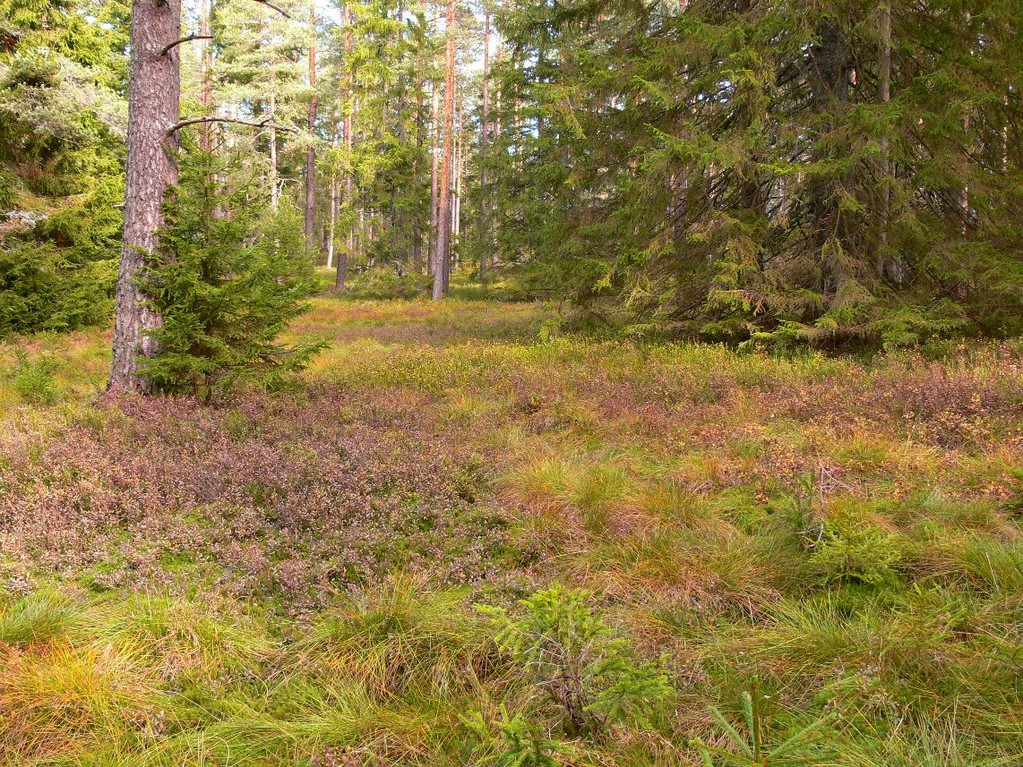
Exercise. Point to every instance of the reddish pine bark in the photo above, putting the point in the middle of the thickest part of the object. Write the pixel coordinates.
(153, 108)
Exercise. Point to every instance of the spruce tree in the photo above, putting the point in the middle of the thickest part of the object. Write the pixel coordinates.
(225, 285)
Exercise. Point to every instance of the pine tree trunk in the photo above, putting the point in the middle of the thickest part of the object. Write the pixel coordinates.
(496, 135)
(341, 276)
(310, 154)
(456, 203)
(274, 190)
(434, 190)
(417, 224)
(332, 226)
(153, 107)
(884, 94)
(441, 272)
(484, 139)
(206, 76)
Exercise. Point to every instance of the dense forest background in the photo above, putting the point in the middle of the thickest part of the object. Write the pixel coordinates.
(843, 171)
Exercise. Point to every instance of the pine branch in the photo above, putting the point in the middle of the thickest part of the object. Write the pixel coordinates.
(199, 120)
(171, 46)
(277, 8)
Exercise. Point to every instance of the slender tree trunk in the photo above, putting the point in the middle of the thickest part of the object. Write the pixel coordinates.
(205, 76)
(496, 135)
(441, 272)
(484, 140)
(310, 154)
(335, 193)
(417, 224)
(886, 265)
(500, 91)
(153, 107)
(341, 276)
(456, 202)
(274, 183)
(434, 189)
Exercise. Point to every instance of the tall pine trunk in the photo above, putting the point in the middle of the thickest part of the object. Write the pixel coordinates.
(153, 108)
(417, 224)
(341, 275)
(335, 193)
(442, 269)
(205, 76)
(484, 139)
(434, 190)
(272, 109)
(310, 154)
(886, 265)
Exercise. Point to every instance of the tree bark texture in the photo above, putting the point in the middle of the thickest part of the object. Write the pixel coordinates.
(153, 107)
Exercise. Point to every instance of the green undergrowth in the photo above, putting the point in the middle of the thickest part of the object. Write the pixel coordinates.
(474, 539)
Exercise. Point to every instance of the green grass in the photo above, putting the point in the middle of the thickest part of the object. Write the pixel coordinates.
(843, 533)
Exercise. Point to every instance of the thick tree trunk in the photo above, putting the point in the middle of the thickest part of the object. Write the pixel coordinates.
(153, 107)
(441, 271)
(310, 154)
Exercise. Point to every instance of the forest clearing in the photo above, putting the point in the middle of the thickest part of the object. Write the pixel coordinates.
(295, 579)
(512, 383)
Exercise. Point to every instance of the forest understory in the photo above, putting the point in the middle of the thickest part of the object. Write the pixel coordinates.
(809, 560)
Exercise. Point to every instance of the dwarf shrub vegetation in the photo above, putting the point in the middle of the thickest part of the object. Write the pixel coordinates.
(290, 581)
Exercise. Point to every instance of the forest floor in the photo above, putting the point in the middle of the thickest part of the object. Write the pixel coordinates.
(295, 579)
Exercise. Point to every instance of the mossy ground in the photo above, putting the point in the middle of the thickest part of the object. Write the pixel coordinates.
(290, 579)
